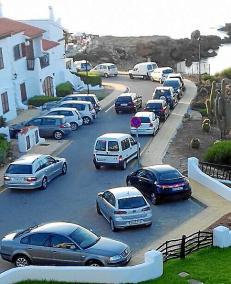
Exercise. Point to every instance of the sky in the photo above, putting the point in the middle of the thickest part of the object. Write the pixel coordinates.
(175, 18)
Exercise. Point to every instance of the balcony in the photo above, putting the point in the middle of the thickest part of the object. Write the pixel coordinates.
(44, 60)
(30, 64)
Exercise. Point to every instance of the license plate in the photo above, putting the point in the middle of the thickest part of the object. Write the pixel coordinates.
(178, 188)
(135, 222)
(18, 179)
(100, 159)
(123, 104)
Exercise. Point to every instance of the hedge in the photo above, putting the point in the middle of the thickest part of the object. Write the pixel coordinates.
(4, 148)
(91, 78)
(64, 89)
(219, 153)
(40, 100)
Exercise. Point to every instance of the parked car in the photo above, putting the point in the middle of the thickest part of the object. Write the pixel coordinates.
(177, 76)
(82, 65)
(61, 243)
(160, 74)
(71, 115)
(86, 97)
(149, 123)
(34, 171)
(160, 182)
(168, 94)
(159, 107)
(106, 69)
(128, 102)
(85, 109)
(49, 126)
(114, 149)
(142, 70)
(176, 85)
(124, 207)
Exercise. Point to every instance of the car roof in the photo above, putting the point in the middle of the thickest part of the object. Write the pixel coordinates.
(127, 95)
(56, 227)
(51, 116)
(160, 168)
(76, 102)
(155, 101)
(172, 79)
(143, 114)
(145, 63)
(81, 95)
(27, 159)
(163, 88)
(125, 192)
(162, 68)
(113, 136)
(108, 64)
(62, 108)
(175, 74)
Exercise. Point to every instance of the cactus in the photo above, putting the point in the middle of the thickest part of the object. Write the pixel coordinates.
(223, 108)
(210, 103)
(206, 125)
(195, 143)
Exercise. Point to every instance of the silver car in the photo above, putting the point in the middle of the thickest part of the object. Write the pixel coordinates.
(61, 243)
(34, 171)
(124, 207)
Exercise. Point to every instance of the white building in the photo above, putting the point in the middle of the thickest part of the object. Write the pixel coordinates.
(32, 61)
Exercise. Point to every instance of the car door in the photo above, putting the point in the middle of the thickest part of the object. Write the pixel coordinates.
(52, 167)
(35, 122)
(112, 151)
(137, 180)
(64, 251)
(48, 126)
(148, 182)
(127, 149)
(107, 204)
(155, 121)
(35, 245)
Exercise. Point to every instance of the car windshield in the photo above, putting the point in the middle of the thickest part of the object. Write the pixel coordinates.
(131, 202)
(111, 67)
(154, 105)
(171, 83)
(19, 169)
(124, 99)
(100, 145)
(170, 175)
(167, 71)
(84, 238)
(159, 93)
(145, 119)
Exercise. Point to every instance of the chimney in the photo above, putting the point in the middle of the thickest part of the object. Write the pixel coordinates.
(51, 14)
(1, 13)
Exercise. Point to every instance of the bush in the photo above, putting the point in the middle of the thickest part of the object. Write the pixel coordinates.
(203, 111)
(4, 148)
(92, 78)
(226, 73)
(40, 100)
(2, 121)
(219, 153)
(64, 89)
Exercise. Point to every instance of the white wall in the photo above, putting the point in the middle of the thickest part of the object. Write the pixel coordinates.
(152, 268)
(214, 185)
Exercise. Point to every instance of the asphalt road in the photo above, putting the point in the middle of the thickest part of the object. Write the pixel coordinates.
(72, 197)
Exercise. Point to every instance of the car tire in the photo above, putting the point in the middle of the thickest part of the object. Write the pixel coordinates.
(112, 225)
(161, 81)
(106, 75)
(44, 183)
(154, 132)
(64, 169)
(117, 112)
(131, 76)
(94, 263)
(98, 209)
(152, 79)
(97, 166)
(124, 165)
(58, 135)
(21, 260)
(154, 199)
(148, 225)
(74, 126)
(86, 120)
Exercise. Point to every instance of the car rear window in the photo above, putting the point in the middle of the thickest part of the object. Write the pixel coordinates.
(100, 145)
(131, 202)
(154, 105)
(19, 169)
(159, 93)
(171, 83)
(145, 119)
(113, 146)
(169, 175)
(167, 71)
(111, 67)
(124, 99)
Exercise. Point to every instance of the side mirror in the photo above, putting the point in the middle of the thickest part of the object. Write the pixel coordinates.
(100, 194)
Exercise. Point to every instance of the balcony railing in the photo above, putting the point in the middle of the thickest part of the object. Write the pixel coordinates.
(44, 60)
(30, 64)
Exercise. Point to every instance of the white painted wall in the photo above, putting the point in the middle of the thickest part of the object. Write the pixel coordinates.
(214, 185)
(152, 268)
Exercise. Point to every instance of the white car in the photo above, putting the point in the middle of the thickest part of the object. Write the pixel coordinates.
(142, 70)
(106, 69)
(71, 115)
(150, 123)
(160, 74)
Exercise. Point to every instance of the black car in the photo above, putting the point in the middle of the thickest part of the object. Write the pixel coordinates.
(128, 102)
(160, 182)
(168, 94)
(159, 107)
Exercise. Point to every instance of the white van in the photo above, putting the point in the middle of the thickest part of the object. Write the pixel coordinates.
(114, 149)
(160, 74)
(106, 69)
(82, 65)
(142, 70)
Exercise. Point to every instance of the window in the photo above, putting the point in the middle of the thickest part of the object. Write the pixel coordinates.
(124, 99)
(5, 103)
(59, 241)
(131, 202)
(25, 240)
(1, 59)
(38, 239)
(19, 169)
(49, 121)
(109, 197)
(49, 161)
(113, 146)
(140, 174)
(125, 144)
(100, 145)
(66, 113)
(84, 238)
(23, 92)
(145, 119)
(132, 141)
(36, 122)
(17, 52)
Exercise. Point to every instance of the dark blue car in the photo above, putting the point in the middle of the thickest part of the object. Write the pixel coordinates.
(176, 85)
(168, 94)
(160, 182)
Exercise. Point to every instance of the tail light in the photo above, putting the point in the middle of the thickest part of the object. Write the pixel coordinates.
(7, 178)
(162, 110)
(162, 186)
(146, 208)
(31, 179)
(120, 158)
(120, 212)
(65, 125)
(151, 124)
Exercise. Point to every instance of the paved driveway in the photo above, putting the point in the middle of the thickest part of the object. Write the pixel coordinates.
(72, 197)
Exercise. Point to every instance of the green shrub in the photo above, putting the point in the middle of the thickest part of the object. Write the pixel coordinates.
(203, 111)
(4, 148)
(226, 73)
(40, 100)
(219, 153)
(92, 78)
(64, 89)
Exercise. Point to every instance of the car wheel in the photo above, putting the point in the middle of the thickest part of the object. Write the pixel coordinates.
(58, 135)
(154, 199)
(112, 225)
(161, 81)
(145, 77)
(131, 76)
(152, 79)
(86, 120)
(97, 166)
(74, 126)
(149, 225)
(154, 132)
(98, 209)
(117, 111)
(64, 169)
(44, 183)
(94, 263)
(106, 75)
(21, 261)
(124, 165)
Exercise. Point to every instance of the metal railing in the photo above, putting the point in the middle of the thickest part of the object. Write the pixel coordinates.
(217, 171)
(179, 248)
(30, 64)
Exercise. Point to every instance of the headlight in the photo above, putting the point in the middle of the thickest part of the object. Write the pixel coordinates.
(115, 258)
